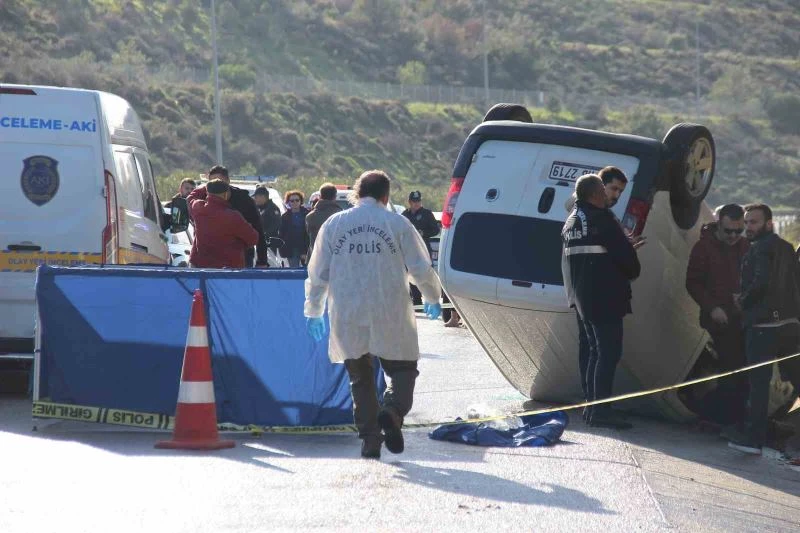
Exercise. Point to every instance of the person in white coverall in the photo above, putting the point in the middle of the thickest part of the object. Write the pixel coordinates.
(363, 259)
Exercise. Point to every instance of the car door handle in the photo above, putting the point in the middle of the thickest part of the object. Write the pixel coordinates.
(139, 247)
(526, 284)
(24, 248)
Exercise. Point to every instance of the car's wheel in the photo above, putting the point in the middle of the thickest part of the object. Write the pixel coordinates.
(508, 112)
(692, 159)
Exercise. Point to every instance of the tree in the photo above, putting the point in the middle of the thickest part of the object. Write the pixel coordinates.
(412, 73)
(129, 55)
(644, 121)
(783, 111)
(738, 90)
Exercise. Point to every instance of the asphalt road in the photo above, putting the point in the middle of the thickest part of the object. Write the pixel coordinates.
(75, 477)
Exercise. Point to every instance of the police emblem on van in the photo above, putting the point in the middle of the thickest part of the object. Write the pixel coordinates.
(40, 179)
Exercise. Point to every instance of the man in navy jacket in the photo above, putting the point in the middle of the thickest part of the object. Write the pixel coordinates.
(598, 264)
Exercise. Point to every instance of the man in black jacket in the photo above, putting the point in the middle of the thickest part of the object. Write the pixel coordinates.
(269, 212)
(241, 201)
(770, 304)
(325, 207)
(426, 225)
(598, 263)
(178, 208)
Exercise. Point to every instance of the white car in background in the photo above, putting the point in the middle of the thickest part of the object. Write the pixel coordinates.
(500, 254)
(344, 196)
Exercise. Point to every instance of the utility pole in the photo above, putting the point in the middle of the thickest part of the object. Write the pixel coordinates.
(697, 69)
(485, 57)
(217, 119)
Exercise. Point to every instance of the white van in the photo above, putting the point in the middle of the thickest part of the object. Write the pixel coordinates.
(500, 253)
(78, 188)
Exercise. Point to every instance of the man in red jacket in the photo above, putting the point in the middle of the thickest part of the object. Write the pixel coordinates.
(221, 234)
(712, 279)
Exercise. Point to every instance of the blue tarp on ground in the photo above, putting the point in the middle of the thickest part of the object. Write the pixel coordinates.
(115, 336)
(537, 430)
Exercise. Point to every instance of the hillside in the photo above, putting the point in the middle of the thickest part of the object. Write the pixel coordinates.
(574, 51)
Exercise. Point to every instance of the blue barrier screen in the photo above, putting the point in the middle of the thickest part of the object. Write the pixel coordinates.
(115, 336)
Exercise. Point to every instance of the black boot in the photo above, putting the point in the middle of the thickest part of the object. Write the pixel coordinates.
(371, 447)
(390, 424)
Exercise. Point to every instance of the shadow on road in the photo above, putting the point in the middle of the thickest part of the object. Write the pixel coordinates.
(699, 444)
(492, 487)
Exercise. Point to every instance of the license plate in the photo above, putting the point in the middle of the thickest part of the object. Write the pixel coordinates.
(560, 170)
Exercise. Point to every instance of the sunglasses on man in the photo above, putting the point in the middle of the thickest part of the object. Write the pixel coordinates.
(733, 231)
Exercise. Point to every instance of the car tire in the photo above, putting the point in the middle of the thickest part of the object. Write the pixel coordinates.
(690, 170)
(515, 112)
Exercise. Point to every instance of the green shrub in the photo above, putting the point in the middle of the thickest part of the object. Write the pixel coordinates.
(239, 77)
(783, 111)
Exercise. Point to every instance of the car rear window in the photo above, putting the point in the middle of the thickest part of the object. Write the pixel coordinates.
(509, 247)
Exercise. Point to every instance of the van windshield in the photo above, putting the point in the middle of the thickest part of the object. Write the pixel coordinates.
(508, 247)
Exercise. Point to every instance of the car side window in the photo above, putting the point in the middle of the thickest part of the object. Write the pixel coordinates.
(129, 180)
(149, 196)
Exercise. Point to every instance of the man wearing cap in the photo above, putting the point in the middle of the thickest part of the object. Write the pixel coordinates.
(221, 234)
(425, 223)
(268, 211)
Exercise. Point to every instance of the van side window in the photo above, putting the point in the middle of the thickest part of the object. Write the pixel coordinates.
(151, 206)
(131, 193)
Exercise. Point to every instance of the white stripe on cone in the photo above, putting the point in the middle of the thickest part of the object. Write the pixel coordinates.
(196, 392)
(198, 337)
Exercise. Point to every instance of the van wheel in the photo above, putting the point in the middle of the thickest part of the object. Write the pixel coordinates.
(508, 112)
(692, 159)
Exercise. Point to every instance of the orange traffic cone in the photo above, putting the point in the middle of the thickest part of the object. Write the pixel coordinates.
(196, 415)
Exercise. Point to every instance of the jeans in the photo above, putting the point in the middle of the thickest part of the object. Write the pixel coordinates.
(399, 395)
(605, 351)
(763, 344)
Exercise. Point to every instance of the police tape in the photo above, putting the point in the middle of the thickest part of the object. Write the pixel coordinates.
(422, 307)
(102, 415)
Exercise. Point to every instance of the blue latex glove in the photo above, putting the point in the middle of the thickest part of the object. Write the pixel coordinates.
(315, 328)
(432, 310)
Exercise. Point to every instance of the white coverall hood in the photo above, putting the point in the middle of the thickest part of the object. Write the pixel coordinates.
(362, 261)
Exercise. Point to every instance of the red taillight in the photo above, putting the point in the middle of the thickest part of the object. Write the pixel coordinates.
(17, 90)
(450, 202)
(110, 244)
(635, 216)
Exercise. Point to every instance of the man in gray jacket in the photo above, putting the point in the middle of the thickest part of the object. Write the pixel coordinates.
(323, 209)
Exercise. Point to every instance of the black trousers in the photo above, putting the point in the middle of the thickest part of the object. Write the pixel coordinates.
(763, 344)
(583, 357)
(416, 296)
(726, 404)
(605, 350)
(399, 395)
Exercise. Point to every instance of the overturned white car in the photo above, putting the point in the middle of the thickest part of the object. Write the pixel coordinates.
(500, 253)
